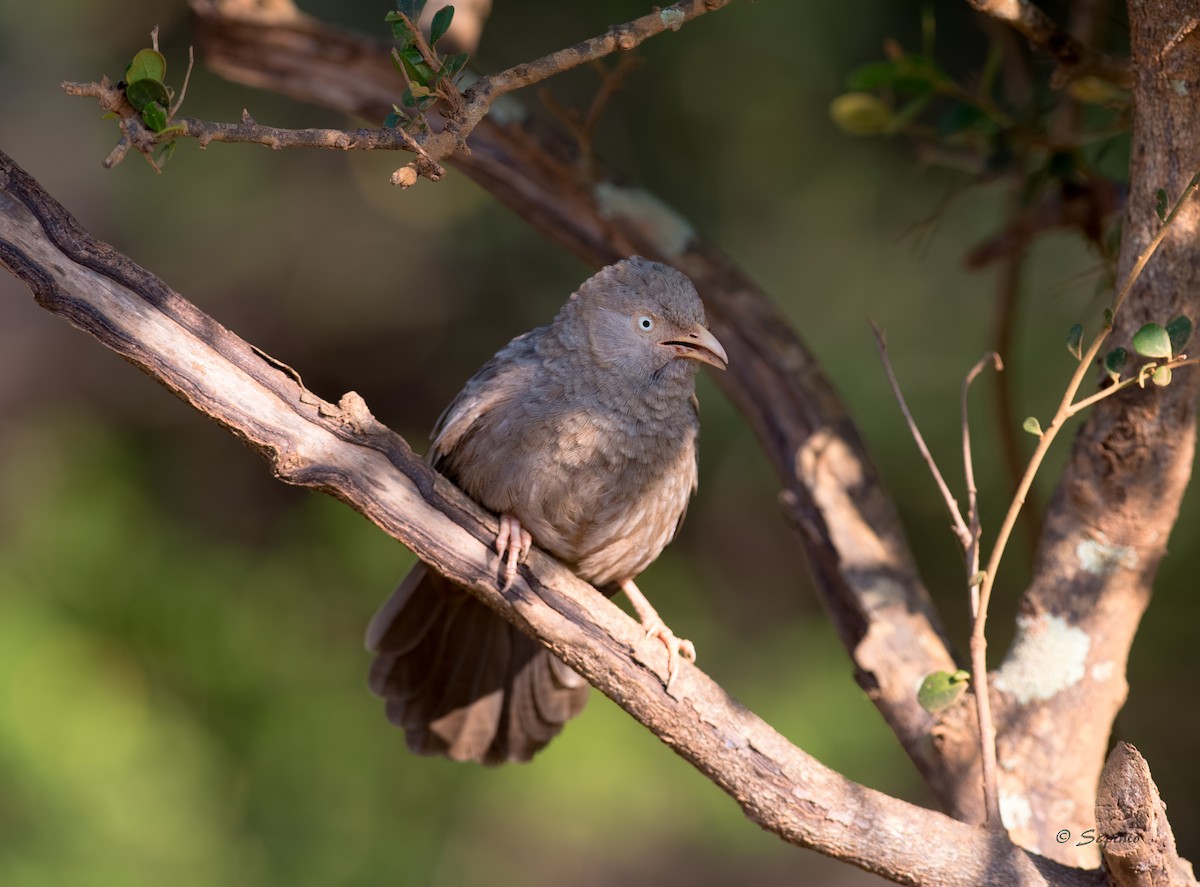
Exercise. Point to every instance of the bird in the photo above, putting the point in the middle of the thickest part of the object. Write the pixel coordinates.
(582, 436)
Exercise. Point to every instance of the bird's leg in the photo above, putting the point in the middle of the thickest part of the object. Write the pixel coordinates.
(514, 540)
(654, 626)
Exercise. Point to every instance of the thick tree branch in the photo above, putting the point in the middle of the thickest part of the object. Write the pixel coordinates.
(1106, 530)
(343, 451)
(831, 491)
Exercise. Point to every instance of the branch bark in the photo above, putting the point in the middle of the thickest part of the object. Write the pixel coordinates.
(831, 491)
(1063, 680)
(342, 450)
(1136, 841)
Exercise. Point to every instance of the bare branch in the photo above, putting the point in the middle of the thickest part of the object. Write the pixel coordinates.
(960, 525)
(342, 450)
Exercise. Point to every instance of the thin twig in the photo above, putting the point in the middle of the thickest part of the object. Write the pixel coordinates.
(1155, 242)
(1066, 409)
(464, 112)
(972, 551)
(187, 78)
(983, 707)
(960, 525)
(583, 127)
(1043, 34)
(247, 131)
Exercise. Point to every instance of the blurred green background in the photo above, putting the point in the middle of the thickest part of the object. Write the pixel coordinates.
(182, 679)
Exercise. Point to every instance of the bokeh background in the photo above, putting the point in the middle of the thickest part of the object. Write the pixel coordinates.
(182, 680)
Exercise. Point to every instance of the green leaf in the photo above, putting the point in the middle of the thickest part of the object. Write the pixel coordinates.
(941, 689)
(394, 119)
(1161, 377)
(415, 67)
(1033, 426)
(1114, 362)
(1108, 318)
(411, 8)
(860, 114)
(1180, 330)
(1161, 204)
(148, 64)
(440, 24)
(155, 116)
(452, 64)
(1075, 340)
(401, 29)
(1152, 341)
(144, 92)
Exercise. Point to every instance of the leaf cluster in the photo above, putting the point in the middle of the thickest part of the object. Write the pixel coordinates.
(429, 75)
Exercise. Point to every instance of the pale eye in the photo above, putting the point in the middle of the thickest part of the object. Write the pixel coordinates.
(644, 322)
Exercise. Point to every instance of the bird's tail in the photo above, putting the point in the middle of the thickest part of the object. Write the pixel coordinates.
(461, 681)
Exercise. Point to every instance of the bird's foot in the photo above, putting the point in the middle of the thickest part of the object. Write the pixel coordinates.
(677, 647)
(515, 541)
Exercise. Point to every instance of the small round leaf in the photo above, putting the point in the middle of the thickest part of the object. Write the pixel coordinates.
(1161, 204)
(941, 689)
(148, 64)
(860, 114)
(1075, 340)
(1161, 377)
(144, 92)
(154, 116)
(1033, 426)
(1114, 362)
(1180, 330)
(1152, 341)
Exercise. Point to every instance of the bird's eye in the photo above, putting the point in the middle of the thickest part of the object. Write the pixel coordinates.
(645, 323)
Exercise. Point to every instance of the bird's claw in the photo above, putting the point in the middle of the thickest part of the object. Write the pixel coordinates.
(515, 541)
(676, 648)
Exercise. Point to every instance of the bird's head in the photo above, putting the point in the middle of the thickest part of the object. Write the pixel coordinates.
(644, 320)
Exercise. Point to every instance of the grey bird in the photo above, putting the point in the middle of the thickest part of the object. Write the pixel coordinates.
(581, 435)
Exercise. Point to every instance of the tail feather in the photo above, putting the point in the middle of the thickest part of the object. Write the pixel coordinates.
(461, 681)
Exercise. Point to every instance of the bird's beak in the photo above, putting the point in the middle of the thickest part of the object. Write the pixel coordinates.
(699, 344)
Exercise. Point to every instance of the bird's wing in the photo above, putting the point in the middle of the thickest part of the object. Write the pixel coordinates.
(695, 471)
(506, 375)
